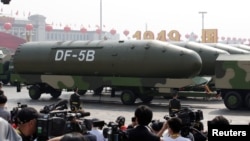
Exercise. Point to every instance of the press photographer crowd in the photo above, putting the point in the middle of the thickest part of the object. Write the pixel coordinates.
(57, 122)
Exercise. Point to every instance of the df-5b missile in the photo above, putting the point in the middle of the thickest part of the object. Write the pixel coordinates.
(132, 58)
(208, 55)
(228, 48)
(241, 46)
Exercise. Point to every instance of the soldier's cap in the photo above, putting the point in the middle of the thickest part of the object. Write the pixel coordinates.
(27, 114)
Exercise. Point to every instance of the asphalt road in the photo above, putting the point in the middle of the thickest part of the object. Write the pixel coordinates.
(109, 108)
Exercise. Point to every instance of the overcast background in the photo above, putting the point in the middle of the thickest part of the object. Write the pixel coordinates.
(229, 17)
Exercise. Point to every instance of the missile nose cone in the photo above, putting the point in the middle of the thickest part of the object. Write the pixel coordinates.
(192, 62)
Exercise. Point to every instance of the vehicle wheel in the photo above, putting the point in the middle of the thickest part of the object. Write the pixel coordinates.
(167, 97)
(233, 100)
(56, 93)
(128, 97)
(98, 91)
(82, 92)
(35, 92)
(5, 82)
(247, 101)
(146, 99)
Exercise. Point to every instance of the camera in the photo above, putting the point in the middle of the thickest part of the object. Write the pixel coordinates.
(58, 122)
(5, 1)
(189, 117)
(113, 132)
(14, 112)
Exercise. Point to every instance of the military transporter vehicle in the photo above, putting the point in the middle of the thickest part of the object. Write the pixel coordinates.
(138, 68)
(232, 79)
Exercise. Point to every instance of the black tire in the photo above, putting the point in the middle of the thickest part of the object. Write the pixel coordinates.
(5, 82)
(167, 97)
(128, 97)
(233, 100)
(82, 92)
(146, 99)
(247, 101)
(56, 93)
(98, 91)
(35, 92)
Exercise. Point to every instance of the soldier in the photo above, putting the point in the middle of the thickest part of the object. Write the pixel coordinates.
(174, 105)
(75, 102)
(1, 86)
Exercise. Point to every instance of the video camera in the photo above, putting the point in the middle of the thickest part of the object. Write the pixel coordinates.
(57, 120)
(14, 112)
(189, 117)
(113, 132)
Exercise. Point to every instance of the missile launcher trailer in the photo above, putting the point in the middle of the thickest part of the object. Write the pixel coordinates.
(137, 68)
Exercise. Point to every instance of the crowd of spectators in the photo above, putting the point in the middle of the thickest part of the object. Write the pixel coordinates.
(142, 126)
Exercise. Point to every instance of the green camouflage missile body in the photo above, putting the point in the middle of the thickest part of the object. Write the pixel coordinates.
(137, 68)
(208, 55)
(229, 48)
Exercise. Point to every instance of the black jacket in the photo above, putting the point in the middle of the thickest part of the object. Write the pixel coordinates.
(141, 133)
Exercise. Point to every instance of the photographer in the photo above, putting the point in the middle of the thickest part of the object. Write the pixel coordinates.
(142, 132)
(132, 124)
(27, 123)
(121, 123)
(4, 113)
(156, 126)
(97, 130)
(174, 126)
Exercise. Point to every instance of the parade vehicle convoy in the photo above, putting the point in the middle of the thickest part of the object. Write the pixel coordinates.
(137, 68)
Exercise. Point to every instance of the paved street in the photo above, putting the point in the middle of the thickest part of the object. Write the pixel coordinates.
(109, 108)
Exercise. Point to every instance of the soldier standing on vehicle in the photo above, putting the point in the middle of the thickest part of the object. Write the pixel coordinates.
(174, 105)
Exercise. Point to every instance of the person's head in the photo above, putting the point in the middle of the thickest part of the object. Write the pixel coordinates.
(156, 126)
(74, 136)
(133, 120)
(219, 120)
(75, 89)
(175, 94)
(3, 99)
(143, 115)
(120, 121)
(174, 125)
(27, 120)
